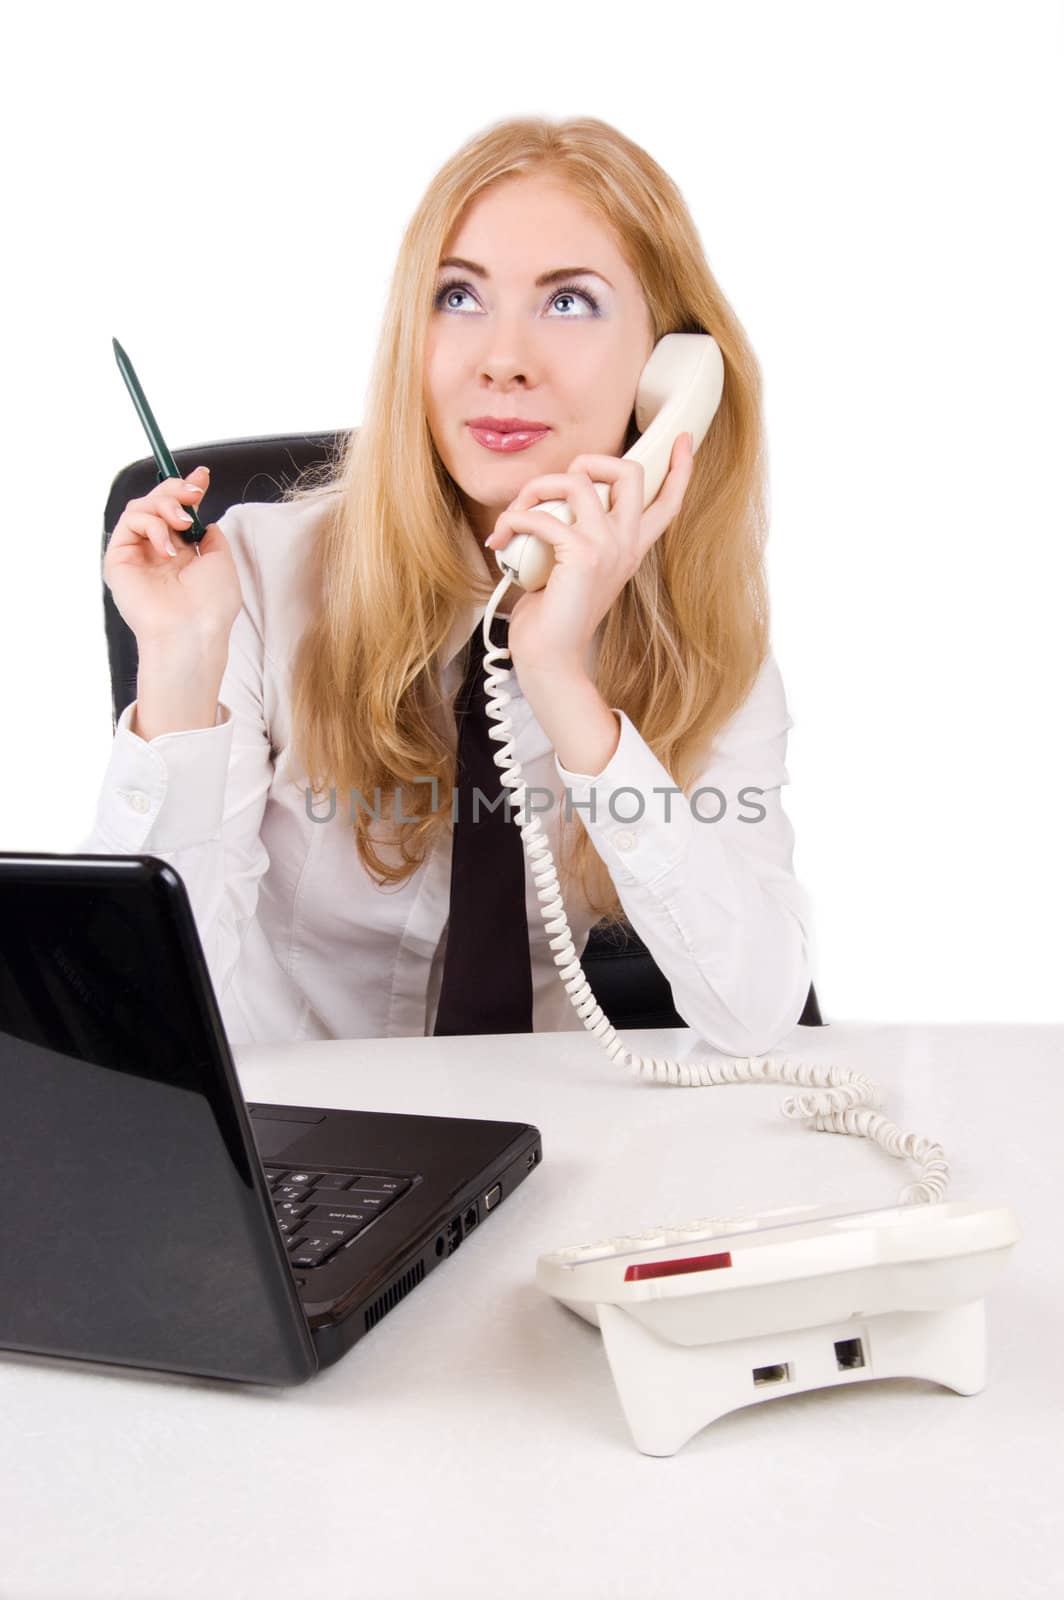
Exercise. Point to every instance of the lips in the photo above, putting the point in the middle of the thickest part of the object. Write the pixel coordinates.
(508, 440)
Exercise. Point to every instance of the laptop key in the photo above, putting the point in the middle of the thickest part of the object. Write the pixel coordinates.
(313, 1251)
(292, 1191)
(338, 1230)
(334, 1181)
(343, 1199)
(353, 1200)
(382, 1185)
(306, 1179)
(292, 1208)
(318, 1216)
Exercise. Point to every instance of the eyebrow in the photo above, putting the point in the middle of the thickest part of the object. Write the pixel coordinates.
(554, 276)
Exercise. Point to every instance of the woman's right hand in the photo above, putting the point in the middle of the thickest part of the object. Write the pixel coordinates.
(180, 598)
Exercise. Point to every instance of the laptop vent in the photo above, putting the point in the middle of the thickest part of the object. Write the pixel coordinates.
(391, 1297)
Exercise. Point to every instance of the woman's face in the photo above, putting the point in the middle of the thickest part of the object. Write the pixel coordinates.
(502, 345)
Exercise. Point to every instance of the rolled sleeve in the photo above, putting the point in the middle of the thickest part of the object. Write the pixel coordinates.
(642, 824)
(165, 793)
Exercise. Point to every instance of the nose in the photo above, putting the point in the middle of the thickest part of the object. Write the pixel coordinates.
(507, 356)
(503, 370)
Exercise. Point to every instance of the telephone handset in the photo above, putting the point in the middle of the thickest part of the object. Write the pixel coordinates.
(679, 392)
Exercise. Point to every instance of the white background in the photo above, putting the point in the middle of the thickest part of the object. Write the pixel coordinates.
(224, 189)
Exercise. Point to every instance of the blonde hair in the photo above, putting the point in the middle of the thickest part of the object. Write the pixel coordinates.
(682, 644)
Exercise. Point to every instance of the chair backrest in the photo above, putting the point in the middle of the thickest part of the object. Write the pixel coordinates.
(628, 984)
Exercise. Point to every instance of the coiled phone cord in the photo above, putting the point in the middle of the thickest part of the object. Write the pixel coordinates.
(840, 1101)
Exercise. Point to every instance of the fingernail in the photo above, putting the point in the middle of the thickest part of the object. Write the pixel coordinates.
(170, 549)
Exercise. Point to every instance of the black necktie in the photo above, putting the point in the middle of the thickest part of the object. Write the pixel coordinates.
(487, 968)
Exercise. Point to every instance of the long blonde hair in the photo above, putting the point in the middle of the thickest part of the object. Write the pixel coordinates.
(681, 646)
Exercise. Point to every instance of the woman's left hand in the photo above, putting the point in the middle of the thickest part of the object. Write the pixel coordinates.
(551, 628)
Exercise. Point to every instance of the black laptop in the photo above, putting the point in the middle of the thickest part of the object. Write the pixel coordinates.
(148, 1216)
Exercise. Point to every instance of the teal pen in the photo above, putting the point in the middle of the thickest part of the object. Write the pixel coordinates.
(164, 461)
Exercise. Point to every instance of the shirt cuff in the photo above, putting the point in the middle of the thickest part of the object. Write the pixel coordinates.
(168, 792)
(640, 821)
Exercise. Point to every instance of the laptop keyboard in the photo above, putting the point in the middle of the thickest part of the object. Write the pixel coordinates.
(318, 1212)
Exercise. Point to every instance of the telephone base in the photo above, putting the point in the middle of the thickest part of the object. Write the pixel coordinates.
(669, 1392)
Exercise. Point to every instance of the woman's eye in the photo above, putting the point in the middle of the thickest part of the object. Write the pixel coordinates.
(444, 295)
(578, 294)
(443, 301)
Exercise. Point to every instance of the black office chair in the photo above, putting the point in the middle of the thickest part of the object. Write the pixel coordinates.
(627, 982)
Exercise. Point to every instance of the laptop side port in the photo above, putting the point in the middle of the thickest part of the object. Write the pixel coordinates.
(493, 1196)
(471, 1217)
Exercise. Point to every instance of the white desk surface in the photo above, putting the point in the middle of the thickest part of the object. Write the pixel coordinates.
(473, 1444)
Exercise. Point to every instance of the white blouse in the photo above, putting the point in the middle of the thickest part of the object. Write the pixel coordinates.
(301, 943)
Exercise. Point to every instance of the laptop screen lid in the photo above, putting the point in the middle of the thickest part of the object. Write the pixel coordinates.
(138, 1227)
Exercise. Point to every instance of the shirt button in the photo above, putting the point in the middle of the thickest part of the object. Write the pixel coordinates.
(624, 841)
(139, 801)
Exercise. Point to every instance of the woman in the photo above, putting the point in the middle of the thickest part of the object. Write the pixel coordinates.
(307, 663)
